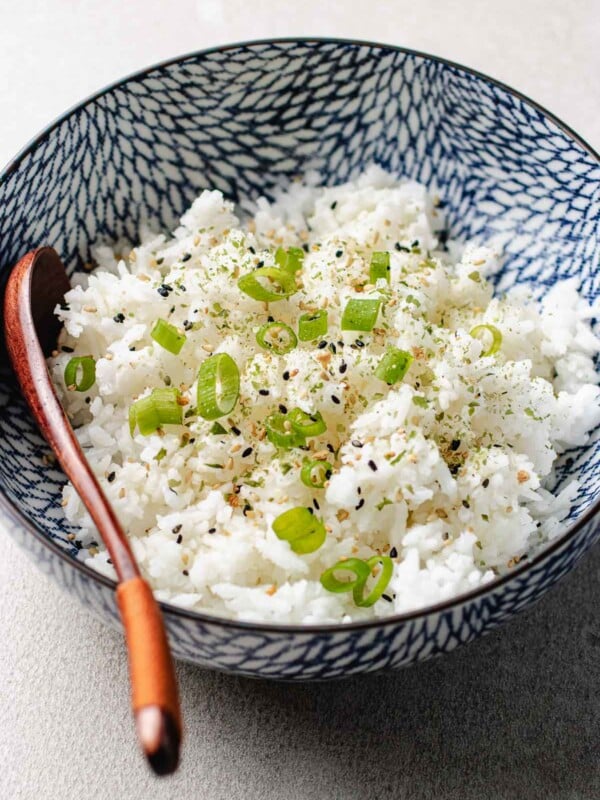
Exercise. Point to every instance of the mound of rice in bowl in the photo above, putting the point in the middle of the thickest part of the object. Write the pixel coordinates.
(322, 413)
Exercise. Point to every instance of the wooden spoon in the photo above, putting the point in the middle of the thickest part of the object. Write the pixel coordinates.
(35, 286)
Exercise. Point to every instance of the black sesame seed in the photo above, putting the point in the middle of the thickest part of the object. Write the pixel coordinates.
(310, 510)
(187, 325)
(359, 491)
(109, 561)
(393, 553)
(185, 572)
(270, 318)
(359, 343)
(343, 367)
(111, 476)
(306, 247)
(454, 444)
(485, 483)
(339, 253)
(260, 264)
(356, 443)
(286, 375)
(78, 544)
(182, 287)
(247, 452)
(360, 504)
(316, 504)
(333, 206)
(66, 349)
(88, 400)
(466, 504)
(333, 348)
(282, 408)
(330, 447)
(252, 250)
(132, 348)
(247, 507)
(454, 468)
(322, 344)
(387, 597)
(163, 291)
(186, 256)
(212, 530)
(176, 529)
(235, 430)
(401, 249)
(179, 539)
(335, 399)
(340, 344)
(372, 464)
(415, 243)
(263, 392)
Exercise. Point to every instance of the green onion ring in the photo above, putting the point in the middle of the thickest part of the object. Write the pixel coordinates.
(360, 315)
(250, 284)
(218, 386)
(393, 366)
(356, 566)
(277, 337)
(160, 407)
(479, 331)
(291, 259)
(299, 526)
(281, 433)
(385, 574)
(87, 365)
(314, 474)
(307, 424)
(312, 326)
(167, 336)
(380, 267)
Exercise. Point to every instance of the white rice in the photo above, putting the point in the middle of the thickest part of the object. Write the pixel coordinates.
(456, 495)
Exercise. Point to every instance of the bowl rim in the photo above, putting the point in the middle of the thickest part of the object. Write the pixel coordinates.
(17, 516)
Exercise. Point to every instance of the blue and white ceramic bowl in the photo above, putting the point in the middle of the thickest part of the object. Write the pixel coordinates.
(244, 119)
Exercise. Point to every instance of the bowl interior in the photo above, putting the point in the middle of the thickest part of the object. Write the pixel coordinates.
(246, 119)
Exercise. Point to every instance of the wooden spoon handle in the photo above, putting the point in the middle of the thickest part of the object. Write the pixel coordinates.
(153, 683)
(40, 278)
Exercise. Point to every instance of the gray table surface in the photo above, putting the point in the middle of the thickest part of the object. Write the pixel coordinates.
(514, 715)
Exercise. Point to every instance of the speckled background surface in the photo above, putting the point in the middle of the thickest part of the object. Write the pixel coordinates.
(516, 715)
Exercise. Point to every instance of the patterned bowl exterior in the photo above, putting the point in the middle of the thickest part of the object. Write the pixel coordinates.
(245, 119)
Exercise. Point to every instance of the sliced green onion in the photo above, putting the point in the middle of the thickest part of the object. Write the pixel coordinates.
(217, 429)
(360, 315)
(314, 474)
(299, 526)
(393, 365)
(218, 386)
(268, 284)
(307, 424)
(386, 568)
(353, 566)
(290, 259)
(281, 433)
(380, 267)
(276, 336)
(312, 326)
(160, 407)
(168, 336)
(80, 372)
(482, 332)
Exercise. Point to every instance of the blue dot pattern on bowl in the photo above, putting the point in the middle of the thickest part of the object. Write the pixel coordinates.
(245, 120)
